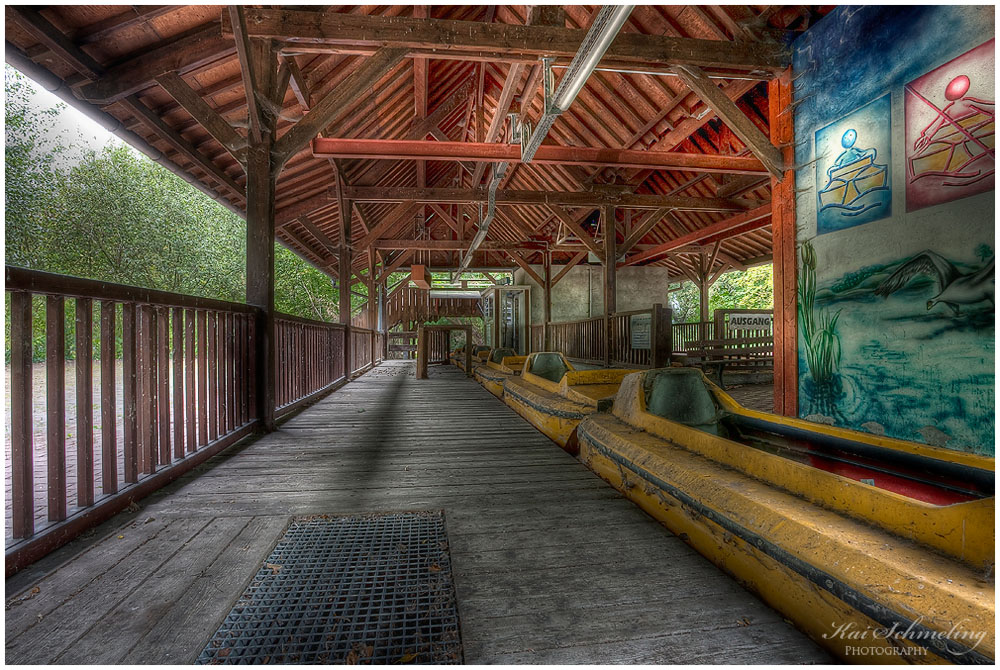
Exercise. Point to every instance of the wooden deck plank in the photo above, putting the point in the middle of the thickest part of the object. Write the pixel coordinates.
(551, 564)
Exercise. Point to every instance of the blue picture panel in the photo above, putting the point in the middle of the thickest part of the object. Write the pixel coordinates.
(853, 176)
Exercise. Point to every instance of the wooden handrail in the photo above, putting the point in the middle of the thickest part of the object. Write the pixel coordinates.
(177, 376)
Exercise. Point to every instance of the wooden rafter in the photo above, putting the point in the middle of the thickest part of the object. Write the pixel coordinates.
(574, 227)
(759, 217)
(736, 120)
(566, 199)
(517, 258)
(323, 112)
(239, 31)
(204, 114)
(573, 262)
(323, 147)
(473, 40)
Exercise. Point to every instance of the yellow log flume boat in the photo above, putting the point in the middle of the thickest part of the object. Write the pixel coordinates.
(479, 353)
(501, 364)
(881, 550)
(554, 396)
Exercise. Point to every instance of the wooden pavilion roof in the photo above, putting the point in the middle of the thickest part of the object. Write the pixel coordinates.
(172, 74)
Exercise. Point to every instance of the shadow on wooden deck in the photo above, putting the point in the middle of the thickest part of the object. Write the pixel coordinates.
(551, 564)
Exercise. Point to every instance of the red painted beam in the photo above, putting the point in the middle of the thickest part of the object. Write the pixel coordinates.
(744, 222)
(329, 147)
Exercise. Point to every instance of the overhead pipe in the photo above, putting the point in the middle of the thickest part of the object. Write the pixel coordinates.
(602, 33)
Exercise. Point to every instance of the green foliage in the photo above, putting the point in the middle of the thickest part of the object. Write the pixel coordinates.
(818, 327)
(752, 289)
(115, 216)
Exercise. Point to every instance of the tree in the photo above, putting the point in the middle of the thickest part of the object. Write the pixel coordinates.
(752, 289)
(113, 215)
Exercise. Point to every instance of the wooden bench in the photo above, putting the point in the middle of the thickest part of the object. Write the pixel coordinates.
(752, 354)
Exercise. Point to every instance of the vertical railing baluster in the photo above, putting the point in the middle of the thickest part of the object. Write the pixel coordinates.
(84, 402)
(55, 414)
(163, 382)
(109, 409)
(202, 373)
(21, 426)
(230, 381)
(147, 409)
(177, 330)
(213, 378)
(130, 382)
(252, 363)
(190, 394)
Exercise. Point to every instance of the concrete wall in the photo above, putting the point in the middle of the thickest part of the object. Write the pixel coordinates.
(909, 367)
(580, 293)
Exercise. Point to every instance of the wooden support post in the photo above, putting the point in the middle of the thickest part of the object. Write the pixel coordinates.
(610, 287)
(786, 360)
(260, 186)
(423, 351)
(547, 289)
(661, 337)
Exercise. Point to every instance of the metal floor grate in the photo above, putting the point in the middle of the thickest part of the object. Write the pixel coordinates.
(362, 589)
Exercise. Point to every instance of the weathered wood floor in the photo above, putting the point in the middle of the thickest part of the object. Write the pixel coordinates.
(551, 564)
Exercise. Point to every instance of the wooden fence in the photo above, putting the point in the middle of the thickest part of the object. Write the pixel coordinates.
(587, 341)
(685, 333)
(309, 359)
(174, 385)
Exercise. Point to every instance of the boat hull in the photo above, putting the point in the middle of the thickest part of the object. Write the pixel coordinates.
(550, 413)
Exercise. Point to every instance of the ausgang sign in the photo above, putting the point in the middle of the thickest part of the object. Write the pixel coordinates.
(750, 321)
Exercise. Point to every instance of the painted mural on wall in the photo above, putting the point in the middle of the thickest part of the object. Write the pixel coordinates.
(896, 317)
(950, 130)
(897, 348)
(852, 168)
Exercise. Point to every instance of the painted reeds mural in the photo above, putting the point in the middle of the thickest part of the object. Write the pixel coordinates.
(902, 348)
(820, 343)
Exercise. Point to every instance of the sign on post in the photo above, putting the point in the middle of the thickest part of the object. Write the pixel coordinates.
(750, 321)
(640, 325)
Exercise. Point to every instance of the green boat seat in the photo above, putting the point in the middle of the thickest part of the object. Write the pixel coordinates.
(680, 394)
(549, 365)
(499, 354)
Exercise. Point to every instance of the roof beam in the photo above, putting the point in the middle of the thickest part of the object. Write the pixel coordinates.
(239, 26)
(576, 229)
(641, 228)
(474, 40)
(455, 245)
(524, 266)
(394, 265)
(569, 266)
(203, 113)
(326, 147)
(387, 224)
(522, 197)
(136, 74)
(759, 218)
(46, 33)
(736, 120)
(324, 112)
(153, 121)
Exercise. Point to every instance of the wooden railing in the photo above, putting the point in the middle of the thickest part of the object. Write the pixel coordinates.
(536, 338)
(170, 380)
(586, 340)
(440, 345)
(684, 333)
(309, 357)
(363, 354)
(407, 304)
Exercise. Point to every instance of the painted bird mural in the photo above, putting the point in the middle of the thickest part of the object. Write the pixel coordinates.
(955, 288)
